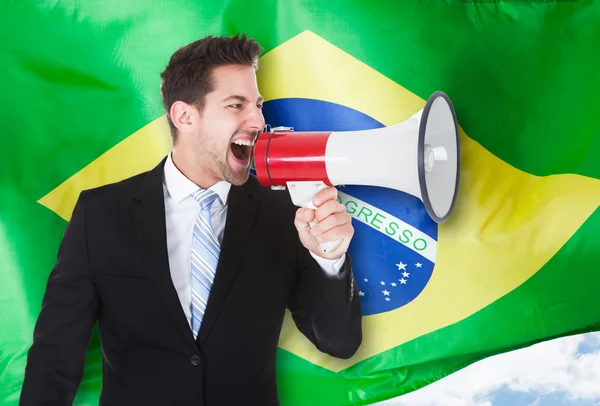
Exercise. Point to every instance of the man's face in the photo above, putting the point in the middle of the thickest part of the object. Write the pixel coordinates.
(228, 126)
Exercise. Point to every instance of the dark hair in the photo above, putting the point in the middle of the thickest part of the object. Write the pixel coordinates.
(188, 75)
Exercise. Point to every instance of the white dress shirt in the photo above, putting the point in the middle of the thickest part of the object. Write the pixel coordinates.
(181, 211)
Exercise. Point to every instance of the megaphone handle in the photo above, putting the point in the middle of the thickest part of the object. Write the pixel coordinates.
(302, 194)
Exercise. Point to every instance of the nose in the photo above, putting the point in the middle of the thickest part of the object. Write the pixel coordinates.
(256, 120)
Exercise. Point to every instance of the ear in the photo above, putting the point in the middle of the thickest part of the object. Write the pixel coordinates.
(182, 115)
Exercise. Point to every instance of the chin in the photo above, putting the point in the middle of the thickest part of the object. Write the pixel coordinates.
(235, 173)
(239, 181)
(238, 177)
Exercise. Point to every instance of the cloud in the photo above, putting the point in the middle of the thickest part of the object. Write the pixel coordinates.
(567, 366)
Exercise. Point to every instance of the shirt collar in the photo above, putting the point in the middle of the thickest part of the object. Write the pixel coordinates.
(180, 187)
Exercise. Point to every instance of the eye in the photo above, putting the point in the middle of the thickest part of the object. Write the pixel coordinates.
(235, 106)
(260, 106)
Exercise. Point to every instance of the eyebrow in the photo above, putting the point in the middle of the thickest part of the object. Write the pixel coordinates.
(242, 99)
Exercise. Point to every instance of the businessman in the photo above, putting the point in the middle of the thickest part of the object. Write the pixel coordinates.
(188, 268)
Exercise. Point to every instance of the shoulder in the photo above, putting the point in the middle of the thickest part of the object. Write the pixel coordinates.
(114, 196)
(125, 187)
(276, 201)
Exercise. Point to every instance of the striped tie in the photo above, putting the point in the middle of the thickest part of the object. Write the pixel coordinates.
(205, 257)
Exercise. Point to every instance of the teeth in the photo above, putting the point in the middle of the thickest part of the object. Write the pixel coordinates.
(244, 142)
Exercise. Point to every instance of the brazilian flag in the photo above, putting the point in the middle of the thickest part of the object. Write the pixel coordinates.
(516, 264)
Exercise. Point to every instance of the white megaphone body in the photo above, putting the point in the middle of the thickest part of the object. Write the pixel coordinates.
(419, 156)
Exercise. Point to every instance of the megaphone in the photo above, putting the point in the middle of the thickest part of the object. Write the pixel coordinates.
(419, 156)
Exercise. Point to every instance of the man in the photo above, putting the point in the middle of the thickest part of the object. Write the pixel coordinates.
(188, 268)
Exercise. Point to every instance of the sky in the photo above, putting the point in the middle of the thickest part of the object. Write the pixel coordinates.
(560, 372)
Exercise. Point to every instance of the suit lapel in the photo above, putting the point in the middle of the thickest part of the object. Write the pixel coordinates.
(243, 206)
(148, 211)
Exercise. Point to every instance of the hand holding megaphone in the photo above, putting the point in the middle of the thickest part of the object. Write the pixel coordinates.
(303, 194)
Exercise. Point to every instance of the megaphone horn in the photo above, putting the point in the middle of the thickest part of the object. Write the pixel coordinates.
(419, 156)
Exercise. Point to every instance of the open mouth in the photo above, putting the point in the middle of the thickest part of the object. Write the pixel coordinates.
(241, 150)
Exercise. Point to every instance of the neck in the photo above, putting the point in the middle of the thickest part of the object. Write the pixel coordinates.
(192, 168)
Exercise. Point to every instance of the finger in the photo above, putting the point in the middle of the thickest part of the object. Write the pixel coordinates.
(345, 232)
(303, 217)
(332, 221)
(328, 208)
(324, 195)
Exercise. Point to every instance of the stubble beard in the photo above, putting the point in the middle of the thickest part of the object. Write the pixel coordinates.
(220, 164)
(226, 172)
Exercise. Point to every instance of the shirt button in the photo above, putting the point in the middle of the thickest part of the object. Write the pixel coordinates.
(195, 359)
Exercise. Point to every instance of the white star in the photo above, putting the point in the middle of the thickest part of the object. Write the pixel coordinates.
(418, 264)
(401, 265)
(403, 281)
(393, 283)
(387, 299)
(361, 293)
(366, 280)
(382, 283)
(405, 274)
(385, 292)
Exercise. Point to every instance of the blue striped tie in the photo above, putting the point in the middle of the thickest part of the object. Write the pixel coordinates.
(205, 257)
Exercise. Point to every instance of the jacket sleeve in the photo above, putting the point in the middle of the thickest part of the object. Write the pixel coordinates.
(326, 308)
(70, 308)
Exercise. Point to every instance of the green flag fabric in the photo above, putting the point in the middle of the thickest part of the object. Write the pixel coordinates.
(517, 263)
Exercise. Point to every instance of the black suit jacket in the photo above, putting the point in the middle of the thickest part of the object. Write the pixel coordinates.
(112, 268)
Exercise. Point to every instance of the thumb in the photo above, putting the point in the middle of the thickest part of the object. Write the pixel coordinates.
(303, 217)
